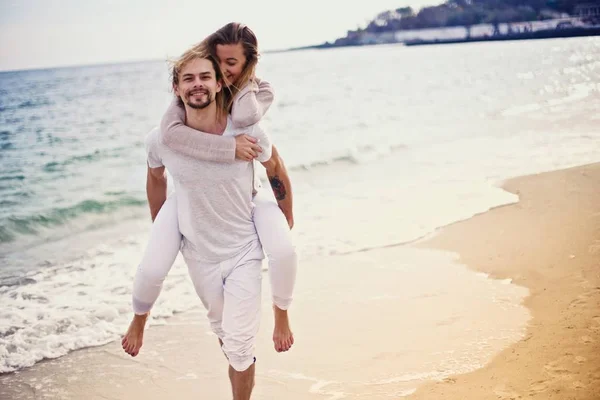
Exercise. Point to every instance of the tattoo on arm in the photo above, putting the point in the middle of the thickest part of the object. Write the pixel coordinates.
(278, 187)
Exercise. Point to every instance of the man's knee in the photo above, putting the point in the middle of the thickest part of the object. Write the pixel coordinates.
(239, 352)
(241, 365)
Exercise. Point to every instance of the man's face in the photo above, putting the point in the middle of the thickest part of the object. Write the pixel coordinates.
(198, 84)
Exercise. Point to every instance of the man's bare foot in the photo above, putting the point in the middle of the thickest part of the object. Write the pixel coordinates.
(132, 341)
(283, 338)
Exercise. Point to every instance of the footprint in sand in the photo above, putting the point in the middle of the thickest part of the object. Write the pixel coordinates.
(580, 360)
(581, 300)
(596, 323)
(578, 385)
(538, 387)
(595, 248)
(557, 371)
(584, 298)
(505, 393)
(587, 339)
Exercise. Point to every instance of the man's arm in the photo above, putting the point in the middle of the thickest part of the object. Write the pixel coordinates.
(281, 185)
(156, 189)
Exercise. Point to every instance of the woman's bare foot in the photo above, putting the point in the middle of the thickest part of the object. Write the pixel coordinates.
(132, 341)
(283, 338)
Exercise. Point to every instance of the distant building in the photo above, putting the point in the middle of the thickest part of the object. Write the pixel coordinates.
(587, 10)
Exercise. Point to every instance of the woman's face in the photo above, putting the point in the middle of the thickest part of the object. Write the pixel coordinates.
(232, 61)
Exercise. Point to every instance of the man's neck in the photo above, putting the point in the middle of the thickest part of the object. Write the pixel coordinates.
(205, 120)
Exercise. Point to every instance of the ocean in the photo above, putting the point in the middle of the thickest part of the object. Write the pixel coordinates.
(384, 145)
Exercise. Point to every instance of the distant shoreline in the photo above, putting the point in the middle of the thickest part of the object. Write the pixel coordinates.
(536, 35)
(327, 46)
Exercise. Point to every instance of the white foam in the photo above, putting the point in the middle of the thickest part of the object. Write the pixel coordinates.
(405, 393)
(83, 303)
(523, 109)
(188, 376)
(435, 375)
(318, 387)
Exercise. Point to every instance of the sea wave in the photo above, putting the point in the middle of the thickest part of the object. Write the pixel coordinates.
(357, 155)
(14, 226)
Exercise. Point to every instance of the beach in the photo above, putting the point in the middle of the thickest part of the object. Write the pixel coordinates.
(548, 242)
(395, 296)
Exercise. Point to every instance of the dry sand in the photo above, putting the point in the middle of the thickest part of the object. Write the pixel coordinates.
(550, 243)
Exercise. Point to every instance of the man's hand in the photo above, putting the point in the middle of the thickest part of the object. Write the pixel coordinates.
(246, 148)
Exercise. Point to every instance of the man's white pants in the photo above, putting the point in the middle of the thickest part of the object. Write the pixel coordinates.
(231, 293)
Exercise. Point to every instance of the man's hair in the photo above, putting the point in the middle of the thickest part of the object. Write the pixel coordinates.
(200, 51)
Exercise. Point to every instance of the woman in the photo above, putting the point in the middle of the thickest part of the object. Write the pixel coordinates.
(248, 98)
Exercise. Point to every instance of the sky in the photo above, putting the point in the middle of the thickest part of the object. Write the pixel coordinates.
(49, 33)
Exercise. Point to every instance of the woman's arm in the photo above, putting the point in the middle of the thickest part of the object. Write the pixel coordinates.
(252, 103)
(200, 145)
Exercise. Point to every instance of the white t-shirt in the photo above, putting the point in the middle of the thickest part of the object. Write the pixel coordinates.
(214, 200)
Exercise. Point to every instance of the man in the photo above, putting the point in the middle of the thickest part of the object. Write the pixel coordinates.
(214, 201)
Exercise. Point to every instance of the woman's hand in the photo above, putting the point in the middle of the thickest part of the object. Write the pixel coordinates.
(246, 148)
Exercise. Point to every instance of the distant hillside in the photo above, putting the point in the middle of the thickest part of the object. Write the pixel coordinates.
(464, 13)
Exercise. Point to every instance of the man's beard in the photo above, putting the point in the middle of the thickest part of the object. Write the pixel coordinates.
(204, 104)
